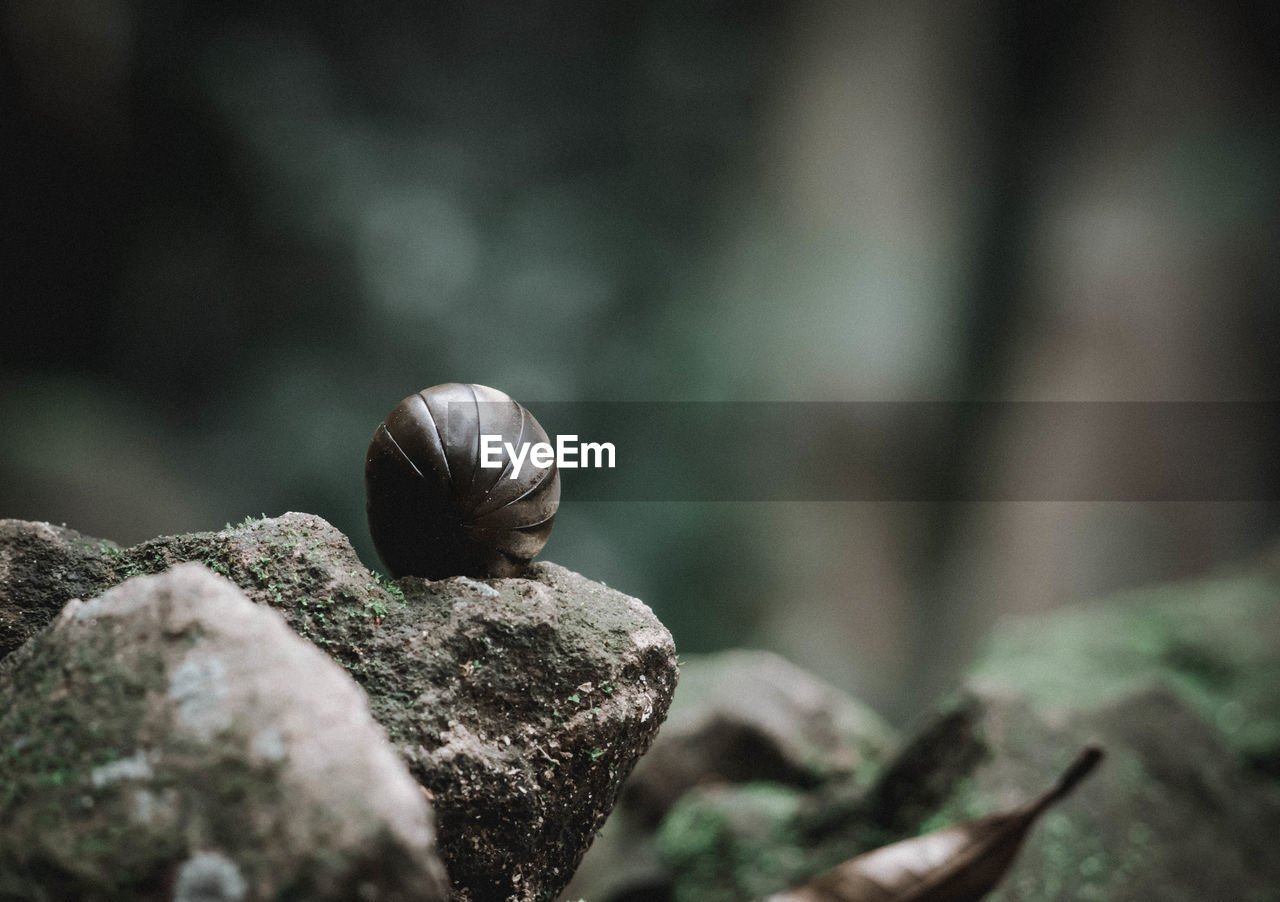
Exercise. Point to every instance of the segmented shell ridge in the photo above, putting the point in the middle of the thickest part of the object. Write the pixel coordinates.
(433, 510)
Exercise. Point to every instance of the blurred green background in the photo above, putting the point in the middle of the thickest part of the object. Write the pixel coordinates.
(235, 235)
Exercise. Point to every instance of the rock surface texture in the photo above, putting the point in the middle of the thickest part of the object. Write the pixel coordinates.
(42, 566)
(170, 740)
(527, 704)
(520, 705)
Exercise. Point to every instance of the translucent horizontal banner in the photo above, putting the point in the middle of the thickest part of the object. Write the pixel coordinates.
(916, 451)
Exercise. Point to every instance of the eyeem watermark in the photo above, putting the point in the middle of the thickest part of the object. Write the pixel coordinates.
(567, 454)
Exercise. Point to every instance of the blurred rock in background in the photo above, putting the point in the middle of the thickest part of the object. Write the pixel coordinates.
(764, 777)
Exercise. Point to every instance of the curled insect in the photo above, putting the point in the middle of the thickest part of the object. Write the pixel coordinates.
(433, 510)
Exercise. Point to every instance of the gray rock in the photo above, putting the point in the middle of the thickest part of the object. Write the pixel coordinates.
(1178, 682)
(522, 704)
(1181, 684)
(1215, 642)
(743, 716)
(1172, 814)
(171, 740)
(42, 566)
(750, 752)
(519, 704)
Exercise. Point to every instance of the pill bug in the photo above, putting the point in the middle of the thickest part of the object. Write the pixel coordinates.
(433, 510)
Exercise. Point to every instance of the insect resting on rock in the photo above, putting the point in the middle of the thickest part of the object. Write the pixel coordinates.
(433, 510)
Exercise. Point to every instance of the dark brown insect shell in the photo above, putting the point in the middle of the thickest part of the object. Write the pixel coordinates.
(433, 510)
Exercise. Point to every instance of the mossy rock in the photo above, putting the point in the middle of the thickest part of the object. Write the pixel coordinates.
(1171, 814)
(520, 705)
(1214, 642)
(170, 740)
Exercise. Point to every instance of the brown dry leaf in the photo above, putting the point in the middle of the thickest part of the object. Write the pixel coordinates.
(961, 863)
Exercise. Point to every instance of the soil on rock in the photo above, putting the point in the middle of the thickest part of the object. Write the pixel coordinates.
(42, 566)
(519, 704)
(170, 740)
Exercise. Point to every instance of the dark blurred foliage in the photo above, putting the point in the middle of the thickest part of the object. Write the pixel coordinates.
(235, 235)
